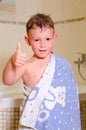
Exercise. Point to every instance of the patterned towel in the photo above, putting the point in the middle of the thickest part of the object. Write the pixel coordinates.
(53, 103)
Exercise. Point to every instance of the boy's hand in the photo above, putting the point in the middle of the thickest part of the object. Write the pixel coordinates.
(19, 58)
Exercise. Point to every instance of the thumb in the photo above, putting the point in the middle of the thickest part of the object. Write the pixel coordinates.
(18, 47)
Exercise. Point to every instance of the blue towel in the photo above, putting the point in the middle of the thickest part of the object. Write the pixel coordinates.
(53, 103)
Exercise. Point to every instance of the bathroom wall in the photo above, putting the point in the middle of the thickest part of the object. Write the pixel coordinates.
(70, 24)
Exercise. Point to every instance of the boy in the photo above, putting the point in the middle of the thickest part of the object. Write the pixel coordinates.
(51, 98)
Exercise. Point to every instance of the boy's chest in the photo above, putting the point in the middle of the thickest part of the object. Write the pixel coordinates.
(33, 75)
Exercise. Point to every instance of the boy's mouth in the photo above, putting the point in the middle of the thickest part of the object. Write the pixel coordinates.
(42, 50)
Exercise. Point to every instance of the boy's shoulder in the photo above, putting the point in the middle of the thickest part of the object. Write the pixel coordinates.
(61, 61)
(60, 58)
(62, 65)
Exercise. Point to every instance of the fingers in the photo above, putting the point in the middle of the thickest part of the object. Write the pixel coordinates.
(19, 58)
(20, 62)
(18, 47)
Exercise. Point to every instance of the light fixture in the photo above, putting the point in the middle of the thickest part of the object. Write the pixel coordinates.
(81, 62)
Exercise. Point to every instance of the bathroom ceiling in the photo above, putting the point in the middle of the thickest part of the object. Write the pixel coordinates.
(60, 10)
(7, 5)
(8, 2)
(7, 9)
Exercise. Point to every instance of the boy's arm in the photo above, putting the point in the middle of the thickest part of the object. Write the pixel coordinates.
(15, 67)
(9, 73)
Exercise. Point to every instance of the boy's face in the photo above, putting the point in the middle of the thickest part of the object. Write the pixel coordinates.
(41, 41)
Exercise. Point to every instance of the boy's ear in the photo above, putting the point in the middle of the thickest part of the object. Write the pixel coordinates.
(54, 39)
(27, 40)
(55, 36)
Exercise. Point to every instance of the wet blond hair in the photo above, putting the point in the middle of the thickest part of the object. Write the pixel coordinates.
(39, 20)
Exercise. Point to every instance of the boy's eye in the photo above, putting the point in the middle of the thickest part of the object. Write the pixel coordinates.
(36, 40)
(48, 39)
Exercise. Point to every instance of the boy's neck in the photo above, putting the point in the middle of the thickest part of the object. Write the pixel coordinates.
(36, 57)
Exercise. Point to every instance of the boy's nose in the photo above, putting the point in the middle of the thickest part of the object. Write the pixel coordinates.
(42, 44)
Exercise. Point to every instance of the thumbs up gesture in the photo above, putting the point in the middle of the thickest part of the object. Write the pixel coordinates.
(19, 58)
